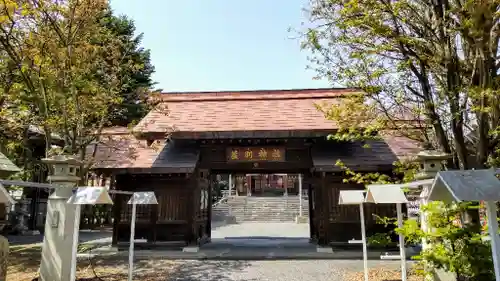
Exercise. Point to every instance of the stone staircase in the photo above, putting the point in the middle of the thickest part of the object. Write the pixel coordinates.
(260, 209)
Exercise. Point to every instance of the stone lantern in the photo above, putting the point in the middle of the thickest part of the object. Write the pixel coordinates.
(6, 168)
(60, 224)
(63, 173)
(431, 162)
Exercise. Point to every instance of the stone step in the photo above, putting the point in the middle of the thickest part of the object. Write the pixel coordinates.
(263, 209)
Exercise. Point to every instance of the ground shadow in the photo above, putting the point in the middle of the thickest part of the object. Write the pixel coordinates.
(163, 269)
(86, 236)
(208, 271)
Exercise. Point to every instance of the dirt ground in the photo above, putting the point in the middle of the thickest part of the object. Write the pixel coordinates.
(382, 274)
(25, 261)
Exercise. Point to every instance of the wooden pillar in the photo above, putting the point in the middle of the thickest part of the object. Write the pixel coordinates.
(285, 184)
(208, 226)
(192, 188)
(321, 195)
(153, 209)
(117, 209)
(310, 184)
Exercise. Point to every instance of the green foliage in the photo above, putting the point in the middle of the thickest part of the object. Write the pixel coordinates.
(135, 75)
(429, 71)
(429, 62)
(455, 246)
(68, 68)
(58, 54)
(355, 118)
(379, 239)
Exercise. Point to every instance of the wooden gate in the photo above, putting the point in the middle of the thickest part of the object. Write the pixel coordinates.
(203, 207)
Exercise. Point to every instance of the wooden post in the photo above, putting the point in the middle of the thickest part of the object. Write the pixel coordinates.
(322, 211)
(312, 215)
(192, 187)
(208, 226)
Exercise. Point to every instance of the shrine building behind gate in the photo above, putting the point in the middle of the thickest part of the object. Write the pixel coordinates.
(248, 133)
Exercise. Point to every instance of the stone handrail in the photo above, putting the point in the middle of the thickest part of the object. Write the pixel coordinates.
(222, 200)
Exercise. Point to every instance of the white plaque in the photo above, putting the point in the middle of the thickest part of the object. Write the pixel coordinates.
(90, 195)
(351, 197)
(5, 197)
(143, 198)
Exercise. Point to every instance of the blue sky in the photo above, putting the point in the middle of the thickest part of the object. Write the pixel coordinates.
(211, 45)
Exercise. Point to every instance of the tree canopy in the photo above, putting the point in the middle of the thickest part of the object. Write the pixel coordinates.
(135, 76)
(70, 68)
(435, 61)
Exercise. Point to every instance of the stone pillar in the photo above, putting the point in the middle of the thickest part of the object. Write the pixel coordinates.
(285, 184)
(300, 194)
(301, 218)
(4, 257)
(60, 223)
(431, 162)
(249, 184)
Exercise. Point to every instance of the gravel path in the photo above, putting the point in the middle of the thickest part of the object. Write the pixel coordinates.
(318, 270)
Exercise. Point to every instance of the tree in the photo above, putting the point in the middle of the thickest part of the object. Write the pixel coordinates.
(435, 61)
(431, 59)
(65, 68)
(135, 75)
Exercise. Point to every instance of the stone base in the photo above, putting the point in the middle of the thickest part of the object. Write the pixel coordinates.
(204, 240)
(30, 233)
(191, 249)
(301, 219)
(4, 257)
(324, 249)
(230, 220)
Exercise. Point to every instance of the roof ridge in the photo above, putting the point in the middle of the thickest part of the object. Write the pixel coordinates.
(263, 90)
(257, 95)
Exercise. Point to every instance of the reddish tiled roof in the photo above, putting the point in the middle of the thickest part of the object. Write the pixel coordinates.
(242, 111)
(402, 147)
(119, 149)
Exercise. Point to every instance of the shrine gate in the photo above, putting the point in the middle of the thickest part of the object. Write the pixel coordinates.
(177, 152)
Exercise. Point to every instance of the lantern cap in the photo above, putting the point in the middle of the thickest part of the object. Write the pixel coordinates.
(432, 155)
(62, 159)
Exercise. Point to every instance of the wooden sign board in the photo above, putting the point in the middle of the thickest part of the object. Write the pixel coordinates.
(255, 154)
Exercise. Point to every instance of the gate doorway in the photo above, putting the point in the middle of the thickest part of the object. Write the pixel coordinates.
(260, 209)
